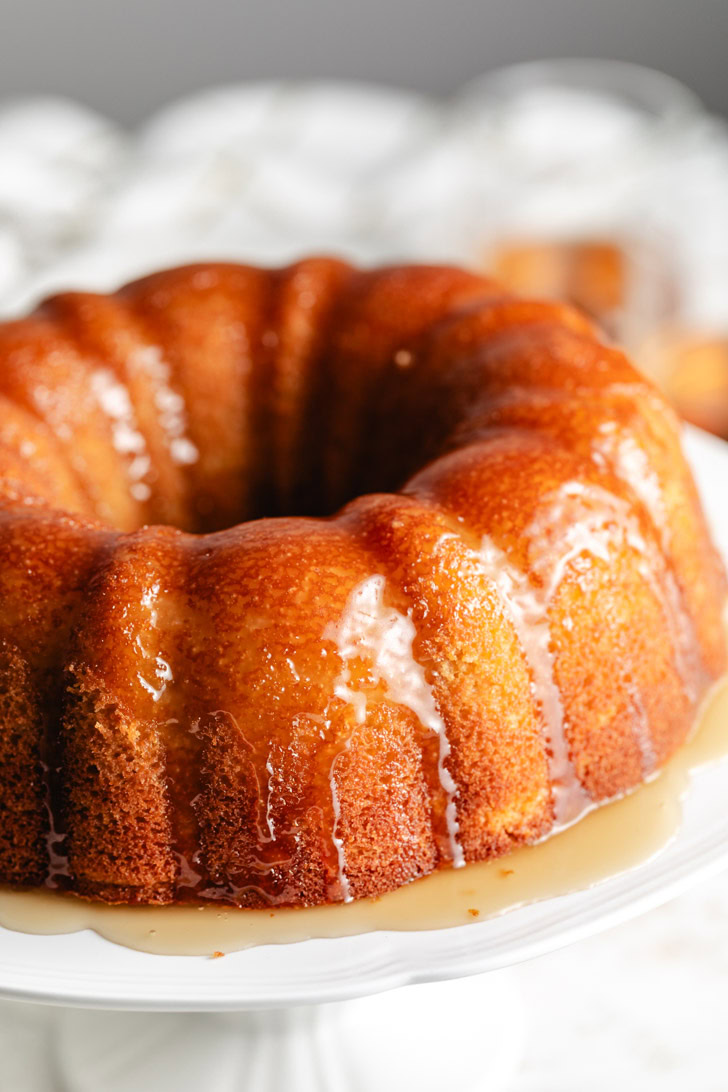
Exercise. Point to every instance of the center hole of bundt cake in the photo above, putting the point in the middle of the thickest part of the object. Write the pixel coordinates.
(214, 492)
(327, 485)
(309, 468)
(316, 465)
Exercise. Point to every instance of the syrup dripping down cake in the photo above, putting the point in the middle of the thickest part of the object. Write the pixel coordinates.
(315, 580)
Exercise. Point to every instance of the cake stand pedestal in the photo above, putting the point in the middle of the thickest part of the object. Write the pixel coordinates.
(465, 1035)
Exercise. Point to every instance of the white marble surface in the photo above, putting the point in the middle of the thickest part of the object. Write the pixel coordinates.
(642, 1006)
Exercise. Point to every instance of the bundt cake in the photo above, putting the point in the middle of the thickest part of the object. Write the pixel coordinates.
(314, 580)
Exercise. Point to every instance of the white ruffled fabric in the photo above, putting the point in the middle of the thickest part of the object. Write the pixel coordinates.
(265, 172)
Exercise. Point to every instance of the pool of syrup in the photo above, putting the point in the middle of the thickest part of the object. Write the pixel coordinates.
(611, 839)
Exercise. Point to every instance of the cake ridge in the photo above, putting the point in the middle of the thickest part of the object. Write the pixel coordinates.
(528, 611)
(385, 634)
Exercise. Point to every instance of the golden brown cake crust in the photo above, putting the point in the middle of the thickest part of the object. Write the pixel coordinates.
(506, 610)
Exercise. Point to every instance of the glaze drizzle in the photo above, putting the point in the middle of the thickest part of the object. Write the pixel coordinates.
(170, 405)
(115, 401)
(384, 637)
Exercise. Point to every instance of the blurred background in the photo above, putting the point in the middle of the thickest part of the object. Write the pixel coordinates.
(154, 132)
(147, 133)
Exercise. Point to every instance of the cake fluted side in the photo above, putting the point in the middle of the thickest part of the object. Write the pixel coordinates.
(517, 623)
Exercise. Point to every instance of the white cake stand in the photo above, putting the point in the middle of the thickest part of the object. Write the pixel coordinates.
(279, 1017)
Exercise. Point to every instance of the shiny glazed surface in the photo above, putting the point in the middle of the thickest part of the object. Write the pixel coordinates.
(207, 693)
